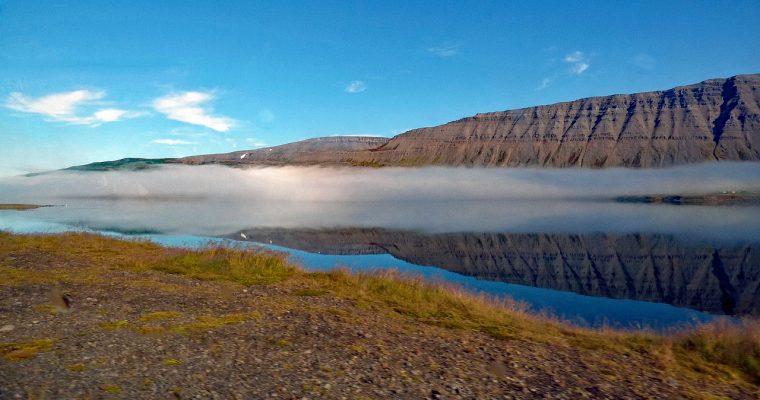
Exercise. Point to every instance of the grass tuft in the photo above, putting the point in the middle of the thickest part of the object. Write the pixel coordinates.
(115, 325)
(78, 367)
(220, 263)
(722, 342)
(113, 389)
(25, 350)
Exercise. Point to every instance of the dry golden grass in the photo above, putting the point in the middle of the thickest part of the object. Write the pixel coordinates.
(25, 350)
(725, 351)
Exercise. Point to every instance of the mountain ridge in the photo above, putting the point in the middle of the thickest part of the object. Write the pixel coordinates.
(714, 120)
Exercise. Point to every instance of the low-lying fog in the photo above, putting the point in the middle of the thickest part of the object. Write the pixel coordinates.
(386, 184)
(213, 200)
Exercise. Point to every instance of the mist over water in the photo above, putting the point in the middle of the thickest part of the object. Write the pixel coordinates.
(319, 184)
(214, 200)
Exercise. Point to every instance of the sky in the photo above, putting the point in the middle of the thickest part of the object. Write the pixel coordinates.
(92, 80)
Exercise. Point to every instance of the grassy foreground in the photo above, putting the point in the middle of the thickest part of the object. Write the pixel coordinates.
(723, 353)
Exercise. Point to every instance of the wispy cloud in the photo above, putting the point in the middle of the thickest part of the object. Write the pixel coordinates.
(172, 142)
(356, 87)
(545, 83)
(579, 62)
(64, 107)
(189, 107)
(448, 50)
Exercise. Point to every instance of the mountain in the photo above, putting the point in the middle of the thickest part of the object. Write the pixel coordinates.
(715, 120)
(647, 267)
(332, 149)
(718, 119)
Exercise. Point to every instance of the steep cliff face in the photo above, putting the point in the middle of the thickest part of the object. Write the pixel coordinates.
(717, 119)
(333, 149)
(655, 268)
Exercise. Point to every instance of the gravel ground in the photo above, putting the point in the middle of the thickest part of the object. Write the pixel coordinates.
(153, 335)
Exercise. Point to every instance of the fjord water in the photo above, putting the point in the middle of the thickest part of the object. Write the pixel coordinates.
(584, 258)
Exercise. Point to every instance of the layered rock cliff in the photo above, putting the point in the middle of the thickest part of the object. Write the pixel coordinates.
(655, 268)
(718, 119)
(715, 120)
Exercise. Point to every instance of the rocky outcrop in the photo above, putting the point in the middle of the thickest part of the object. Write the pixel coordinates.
(656, 268)
(718, 119)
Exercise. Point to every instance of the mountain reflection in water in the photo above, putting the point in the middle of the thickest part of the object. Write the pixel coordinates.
(719, 279)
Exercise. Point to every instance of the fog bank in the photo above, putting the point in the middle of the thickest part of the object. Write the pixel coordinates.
(317, 184)
(218, 200)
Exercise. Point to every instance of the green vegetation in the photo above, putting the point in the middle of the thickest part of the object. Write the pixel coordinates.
(219, 263)
(113, 389)
(78, 367)
(115, 325)
(368, 164)
(729, 352)
(125, 164)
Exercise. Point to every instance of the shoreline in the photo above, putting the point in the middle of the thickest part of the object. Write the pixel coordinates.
(161, 308)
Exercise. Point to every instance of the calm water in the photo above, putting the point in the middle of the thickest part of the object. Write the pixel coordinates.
(592, 262)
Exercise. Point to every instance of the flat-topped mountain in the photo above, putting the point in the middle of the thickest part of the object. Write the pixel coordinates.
(718, 119)
(715, 120)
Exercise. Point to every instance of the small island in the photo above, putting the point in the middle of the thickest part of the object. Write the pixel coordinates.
(713, 199)
(21, 207)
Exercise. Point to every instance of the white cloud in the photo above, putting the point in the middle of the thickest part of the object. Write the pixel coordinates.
(444, 51)
(110, 114)
(579, 62)
(172, 142)
(188, 107)
(63, 107)
(575, 56)
(356, 87)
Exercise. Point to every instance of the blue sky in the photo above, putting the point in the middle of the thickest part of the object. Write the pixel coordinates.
(93, 80)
